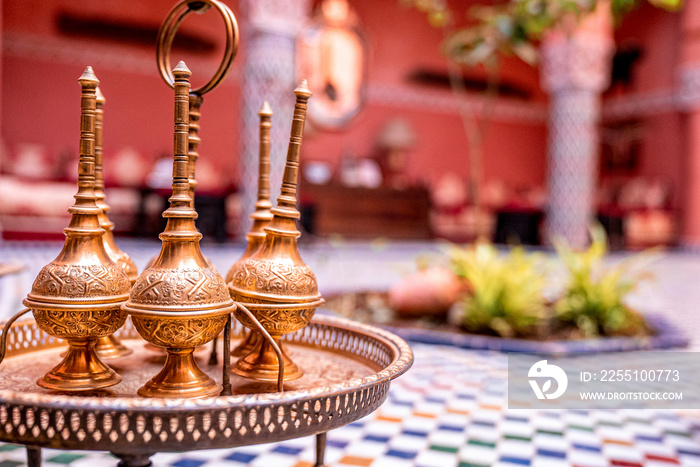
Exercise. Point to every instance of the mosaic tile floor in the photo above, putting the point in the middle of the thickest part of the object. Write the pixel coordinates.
(449, 410)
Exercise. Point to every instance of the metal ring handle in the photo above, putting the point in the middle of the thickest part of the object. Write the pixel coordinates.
(266, 335)
(166, 35)
(6, 332)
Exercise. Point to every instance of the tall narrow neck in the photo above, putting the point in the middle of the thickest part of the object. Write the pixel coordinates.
(105, 222)
(85, 212)
(286, 202)
(181, 213)
(263, 202)
(195, 105)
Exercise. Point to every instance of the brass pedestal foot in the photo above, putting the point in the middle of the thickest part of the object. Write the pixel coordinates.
(180, 378)
(261, 363)
(163, 350)
(109, 347)
(80, 370)
(247, 344)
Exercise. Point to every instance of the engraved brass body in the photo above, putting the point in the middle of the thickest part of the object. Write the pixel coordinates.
(78, 296)
(180, 301)
(108, 347)
(261, 217)
(275, 284)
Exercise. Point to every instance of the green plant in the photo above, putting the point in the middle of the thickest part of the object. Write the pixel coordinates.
(505, 291)
(593, 298)
(513, 27)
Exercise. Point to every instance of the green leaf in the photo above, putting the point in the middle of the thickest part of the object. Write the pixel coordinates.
(506, 290)
(594, 295)
(670, 5)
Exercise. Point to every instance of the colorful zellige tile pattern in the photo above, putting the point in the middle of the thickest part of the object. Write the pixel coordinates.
(449, 410)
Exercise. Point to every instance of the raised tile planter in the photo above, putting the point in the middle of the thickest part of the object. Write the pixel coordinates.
(667, 336)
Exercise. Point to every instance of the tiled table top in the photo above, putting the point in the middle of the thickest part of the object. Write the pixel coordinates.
(449, 410)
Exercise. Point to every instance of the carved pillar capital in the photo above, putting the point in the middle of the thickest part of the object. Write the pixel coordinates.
(580, 57)
(285, 17)
(576, 62)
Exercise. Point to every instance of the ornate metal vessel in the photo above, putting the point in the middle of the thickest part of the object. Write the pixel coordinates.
(275, 283)
(350, 368)
(261, 216)
(181, 301)
(108, 347)
(78, 296)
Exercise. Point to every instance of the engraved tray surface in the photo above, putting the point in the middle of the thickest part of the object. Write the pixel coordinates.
(348, 368)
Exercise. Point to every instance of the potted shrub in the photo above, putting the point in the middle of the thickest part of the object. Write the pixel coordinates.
(505, 292)
(593, 297)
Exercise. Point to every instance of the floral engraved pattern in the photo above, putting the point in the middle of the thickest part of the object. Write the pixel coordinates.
(80, 324)
(275, 278)
(78, 281)
(124, 261)
(179, 287)
(179, 332)
(278, 321)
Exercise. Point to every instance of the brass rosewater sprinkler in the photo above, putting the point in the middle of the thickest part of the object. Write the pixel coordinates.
(275, 284)
(261, 216)
(108, 347)
(180, 302)
(78, 296)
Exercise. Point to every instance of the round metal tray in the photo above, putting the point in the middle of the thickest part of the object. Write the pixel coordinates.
(348, 368)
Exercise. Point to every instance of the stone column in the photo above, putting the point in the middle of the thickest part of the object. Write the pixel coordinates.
(269, 37)
(575, 70)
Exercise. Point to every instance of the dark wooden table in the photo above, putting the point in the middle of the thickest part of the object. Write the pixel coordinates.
(365, 212)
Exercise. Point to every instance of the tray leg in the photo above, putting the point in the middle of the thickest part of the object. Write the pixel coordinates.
(33, 456)
(320, 449)
(226, 378)
(134, 460)
(213, 356)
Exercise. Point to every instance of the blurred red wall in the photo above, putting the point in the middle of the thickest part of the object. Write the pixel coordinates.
(40, 94)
